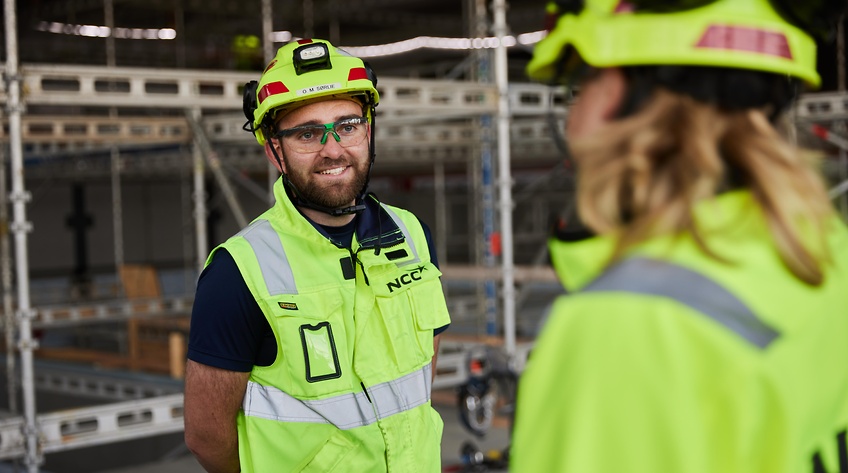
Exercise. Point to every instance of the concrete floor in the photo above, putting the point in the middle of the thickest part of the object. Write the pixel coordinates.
(454, 436)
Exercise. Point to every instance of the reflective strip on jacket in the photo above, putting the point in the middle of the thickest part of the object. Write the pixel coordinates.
(670, 361)
(350, 387)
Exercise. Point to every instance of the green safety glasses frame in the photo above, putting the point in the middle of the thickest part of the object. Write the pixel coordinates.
(311, 138)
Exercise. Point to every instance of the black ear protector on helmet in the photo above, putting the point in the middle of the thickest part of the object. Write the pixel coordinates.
(369, 73)
(249, 105)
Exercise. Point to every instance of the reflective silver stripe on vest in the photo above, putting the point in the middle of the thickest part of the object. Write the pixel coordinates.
(660, 278)
(271, 256)
(406, 235)
(345, 411)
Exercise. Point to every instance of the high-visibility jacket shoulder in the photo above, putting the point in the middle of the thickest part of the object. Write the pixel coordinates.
(671, 361)
(350, 387)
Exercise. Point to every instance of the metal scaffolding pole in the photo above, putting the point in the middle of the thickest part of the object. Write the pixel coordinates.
(188, 225)
(505, 178)
(117, 212)
(268, 53)
(20, 227)
(109, 19)
(441, 211)
(484, 186)
(202, 141)
(308, 19)
(335, 30)
(115, 155)
(201, 247)
(441, 215)
(8, 301)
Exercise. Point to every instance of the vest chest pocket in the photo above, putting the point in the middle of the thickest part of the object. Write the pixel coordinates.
(311, 338)
(411, 305)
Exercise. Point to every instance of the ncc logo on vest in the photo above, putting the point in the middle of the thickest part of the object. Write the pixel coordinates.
(408, 278)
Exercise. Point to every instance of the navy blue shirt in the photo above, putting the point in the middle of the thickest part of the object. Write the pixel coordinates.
(228, 329)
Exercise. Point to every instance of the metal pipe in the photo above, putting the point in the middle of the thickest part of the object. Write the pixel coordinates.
(109, 19)
(188, 230)
(335, 30)
(117, 214)
(199, 201)
(9, 325)
(268, 53)
(267, 31)
(308, 19)
(211, 157)
(441, 211)
(179, 25)
(505, 177)
(21, 227)
(487, 293)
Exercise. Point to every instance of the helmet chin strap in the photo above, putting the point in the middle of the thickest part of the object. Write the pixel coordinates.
(299, 200)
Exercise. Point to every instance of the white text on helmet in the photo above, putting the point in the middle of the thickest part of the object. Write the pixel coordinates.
(318, 88)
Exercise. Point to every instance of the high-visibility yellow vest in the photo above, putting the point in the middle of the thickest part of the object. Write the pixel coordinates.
(672, 361)
(349, 390)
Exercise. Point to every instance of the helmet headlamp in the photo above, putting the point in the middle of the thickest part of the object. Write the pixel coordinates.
(311, 57)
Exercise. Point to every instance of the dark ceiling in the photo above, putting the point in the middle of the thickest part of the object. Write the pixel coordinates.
(206, 30)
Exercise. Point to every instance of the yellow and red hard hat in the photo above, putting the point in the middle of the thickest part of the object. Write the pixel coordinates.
(302, 71)
(744, 34)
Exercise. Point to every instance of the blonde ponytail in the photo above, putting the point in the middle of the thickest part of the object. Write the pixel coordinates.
(646, 172)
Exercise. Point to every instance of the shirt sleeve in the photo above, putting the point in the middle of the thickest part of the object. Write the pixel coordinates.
(227, 328)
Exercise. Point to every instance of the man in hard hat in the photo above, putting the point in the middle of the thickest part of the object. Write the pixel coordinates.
(315, 329)
(706, 329)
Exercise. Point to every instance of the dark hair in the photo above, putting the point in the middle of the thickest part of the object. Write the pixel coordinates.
(726, 88)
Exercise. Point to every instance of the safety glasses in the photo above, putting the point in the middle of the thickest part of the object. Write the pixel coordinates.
(312, 138)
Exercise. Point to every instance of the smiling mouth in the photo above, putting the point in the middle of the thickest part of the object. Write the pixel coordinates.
(334, 171)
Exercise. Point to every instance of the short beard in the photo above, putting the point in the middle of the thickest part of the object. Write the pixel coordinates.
(335, 197)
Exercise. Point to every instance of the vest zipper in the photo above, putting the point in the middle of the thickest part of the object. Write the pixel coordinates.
(355, 258)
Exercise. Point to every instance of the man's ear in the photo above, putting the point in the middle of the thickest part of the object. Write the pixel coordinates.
(269, 153)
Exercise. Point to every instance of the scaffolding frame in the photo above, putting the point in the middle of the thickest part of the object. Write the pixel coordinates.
(406, 103)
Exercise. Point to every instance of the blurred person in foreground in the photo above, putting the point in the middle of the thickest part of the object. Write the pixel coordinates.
(706, 329)
(315, 329)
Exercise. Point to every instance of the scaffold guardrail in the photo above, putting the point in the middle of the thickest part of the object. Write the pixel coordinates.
(822, 107)
(85, 427)
(64, 315)
(99, 130)
(401, 98)
(95, 383)
(531, 140)
(222, 90)
(138, 418)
